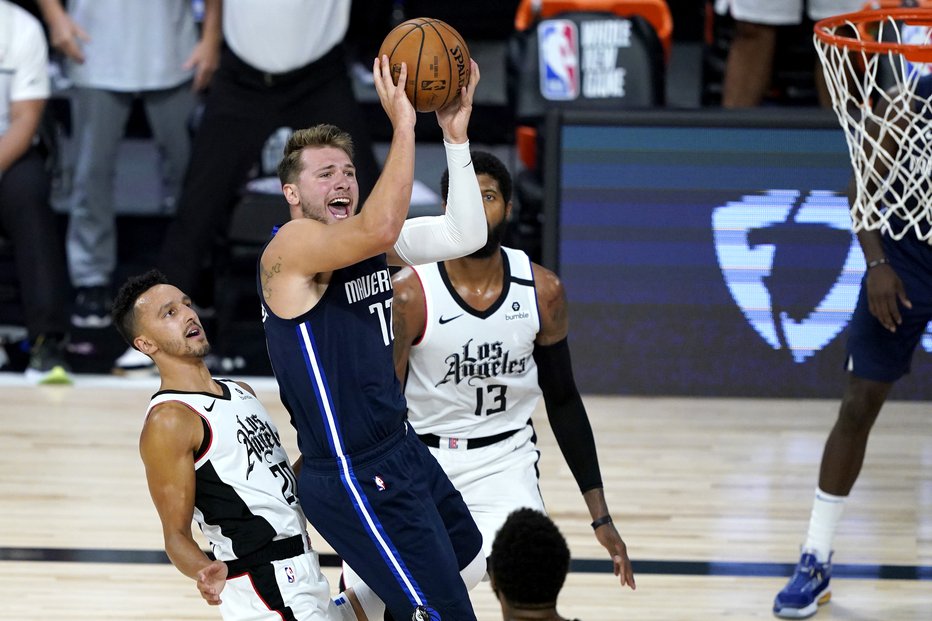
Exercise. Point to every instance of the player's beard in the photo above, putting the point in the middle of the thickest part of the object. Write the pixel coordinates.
(494, 241)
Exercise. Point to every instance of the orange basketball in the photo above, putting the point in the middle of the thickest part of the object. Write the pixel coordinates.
(437, 59)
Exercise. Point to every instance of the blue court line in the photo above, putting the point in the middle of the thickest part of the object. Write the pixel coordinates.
(582, 565)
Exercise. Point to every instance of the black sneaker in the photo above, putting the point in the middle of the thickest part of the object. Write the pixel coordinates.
(47, 364)
(92, 307)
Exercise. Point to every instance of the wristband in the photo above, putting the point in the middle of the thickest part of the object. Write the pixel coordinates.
(876, 262)
(602, 521)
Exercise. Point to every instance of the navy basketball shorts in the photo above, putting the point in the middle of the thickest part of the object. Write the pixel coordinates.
(394, 517)
(875, 353)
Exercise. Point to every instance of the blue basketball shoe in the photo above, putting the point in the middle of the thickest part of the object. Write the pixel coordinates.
(807, 589)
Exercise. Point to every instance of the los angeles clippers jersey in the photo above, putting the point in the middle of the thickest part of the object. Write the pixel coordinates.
(473, 374)
(245, 489)
(334, 363)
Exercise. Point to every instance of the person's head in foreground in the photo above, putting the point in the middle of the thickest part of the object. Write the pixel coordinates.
(528, 566)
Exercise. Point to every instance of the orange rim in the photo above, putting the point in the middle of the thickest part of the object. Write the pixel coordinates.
(920, 53)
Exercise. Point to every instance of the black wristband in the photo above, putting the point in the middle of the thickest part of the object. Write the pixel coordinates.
(602, 521)
(876, 262)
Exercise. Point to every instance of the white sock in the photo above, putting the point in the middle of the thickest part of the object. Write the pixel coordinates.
(826, 513)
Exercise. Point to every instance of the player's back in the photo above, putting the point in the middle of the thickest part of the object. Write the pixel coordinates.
(334, 364)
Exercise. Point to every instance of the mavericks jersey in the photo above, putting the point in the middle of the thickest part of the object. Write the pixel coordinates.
(472, 374)
(245, 489)
(334, 363)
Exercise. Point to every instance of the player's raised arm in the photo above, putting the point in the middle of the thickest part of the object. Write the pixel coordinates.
(462, 228)
(568, 418)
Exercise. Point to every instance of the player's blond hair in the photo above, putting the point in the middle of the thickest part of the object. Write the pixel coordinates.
(318, 136)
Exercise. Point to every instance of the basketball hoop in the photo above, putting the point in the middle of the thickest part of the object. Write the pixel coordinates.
(873, 61)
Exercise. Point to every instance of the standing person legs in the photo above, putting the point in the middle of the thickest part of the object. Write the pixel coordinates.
(169, 112)
(27, 219)
(228, 140)
(100, 117)
(877, 358)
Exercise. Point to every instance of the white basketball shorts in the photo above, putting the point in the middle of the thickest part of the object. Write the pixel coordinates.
(784, 12)
(495, 480)
(296, 583)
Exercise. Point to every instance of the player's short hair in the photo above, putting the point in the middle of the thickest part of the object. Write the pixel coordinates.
(124, 304)
(323, 135)
(483, 163)
(529, 559)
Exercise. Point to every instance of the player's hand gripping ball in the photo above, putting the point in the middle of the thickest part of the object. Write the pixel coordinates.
(437, 59)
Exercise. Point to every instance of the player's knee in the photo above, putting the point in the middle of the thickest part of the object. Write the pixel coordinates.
(861, 404)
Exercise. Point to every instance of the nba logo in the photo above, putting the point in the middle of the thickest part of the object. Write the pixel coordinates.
(558, 48)
(453, 443)
(379, 483)
(289, 574)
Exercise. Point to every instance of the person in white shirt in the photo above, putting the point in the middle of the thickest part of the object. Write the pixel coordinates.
(26, 218)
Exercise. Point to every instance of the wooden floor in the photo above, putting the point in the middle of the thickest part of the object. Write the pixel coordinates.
(727, 482)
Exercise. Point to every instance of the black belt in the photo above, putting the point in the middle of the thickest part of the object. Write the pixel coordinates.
(433, 440)
(277, 550)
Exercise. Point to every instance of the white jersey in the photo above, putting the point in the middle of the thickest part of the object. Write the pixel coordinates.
(472, 374)
(245, 489)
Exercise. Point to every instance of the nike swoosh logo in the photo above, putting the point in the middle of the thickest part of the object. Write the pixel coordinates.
(444, 320)
(209, 409)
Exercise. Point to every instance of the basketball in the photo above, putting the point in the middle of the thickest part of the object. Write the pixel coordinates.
(437, 59)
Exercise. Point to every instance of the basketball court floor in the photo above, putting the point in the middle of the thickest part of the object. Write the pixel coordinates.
(712, 497)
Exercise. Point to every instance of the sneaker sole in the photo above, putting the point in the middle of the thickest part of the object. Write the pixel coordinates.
(56, 377)
(808, 611)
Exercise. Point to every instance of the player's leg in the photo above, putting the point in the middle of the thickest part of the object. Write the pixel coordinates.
(494, 480)
(876, 359)
(380, 518)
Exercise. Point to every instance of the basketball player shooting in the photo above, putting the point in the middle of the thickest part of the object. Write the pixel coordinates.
(367, 484)
(478, 341)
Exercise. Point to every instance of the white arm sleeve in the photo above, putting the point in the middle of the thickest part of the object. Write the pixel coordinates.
(459, 231)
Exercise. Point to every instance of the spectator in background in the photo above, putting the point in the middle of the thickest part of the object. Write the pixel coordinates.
(26, 217)
(749, 67)
(120, 50)
(530, 560)
(283, 65)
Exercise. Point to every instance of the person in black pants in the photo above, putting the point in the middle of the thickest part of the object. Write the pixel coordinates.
(281, 66)
(26, 218)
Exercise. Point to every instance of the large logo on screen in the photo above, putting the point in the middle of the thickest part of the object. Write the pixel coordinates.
(792, 265)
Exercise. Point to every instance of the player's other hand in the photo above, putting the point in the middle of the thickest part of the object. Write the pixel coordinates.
(453, 118)
(211, 580)
(67, 36)
(394, 101)
(885, 292)
(610, 539)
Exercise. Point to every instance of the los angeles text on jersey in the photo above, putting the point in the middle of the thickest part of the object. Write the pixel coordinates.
(481, 362)
(368, 285)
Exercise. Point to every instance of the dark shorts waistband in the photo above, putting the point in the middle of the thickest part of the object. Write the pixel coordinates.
(436, 441)
(330, 464)
(277, 550)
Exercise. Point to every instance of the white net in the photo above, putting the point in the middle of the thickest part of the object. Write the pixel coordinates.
(883, 100)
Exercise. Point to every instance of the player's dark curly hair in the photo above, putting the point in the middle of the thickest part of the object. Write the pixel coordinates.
(529, 560)
(124, 317)
(484, 163)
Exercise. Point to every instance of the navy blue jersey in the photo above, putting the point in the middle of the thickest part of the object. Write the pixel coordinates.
(334, 363)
